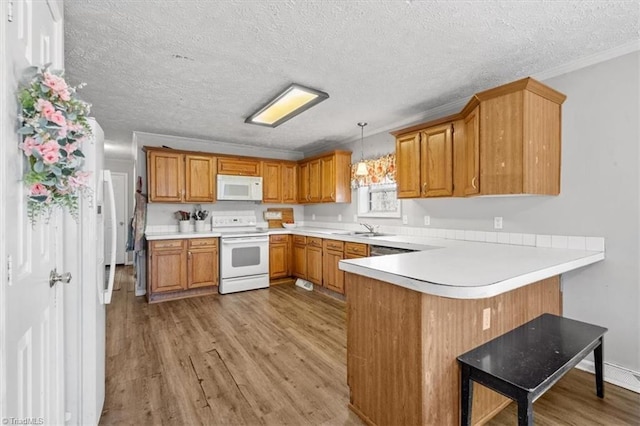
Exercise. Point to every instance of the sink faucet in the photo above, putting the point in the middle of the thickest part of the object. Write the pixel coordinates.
(370, 228)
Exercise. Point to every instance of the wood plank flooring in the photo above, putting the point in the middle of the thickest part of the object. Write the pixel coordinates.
(274, 357)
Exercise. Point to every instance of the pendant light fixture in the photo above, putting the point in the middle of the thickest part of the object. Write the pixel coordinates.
(361, 170)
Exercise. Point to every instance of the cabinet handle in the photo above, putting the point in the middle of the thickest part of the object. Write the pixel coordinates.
(189, 255)
(473, 182)
(332, 197)
(424, 188)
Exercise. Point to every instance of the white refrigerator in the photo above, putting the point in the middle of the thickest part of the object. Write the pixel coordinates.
(87, 295)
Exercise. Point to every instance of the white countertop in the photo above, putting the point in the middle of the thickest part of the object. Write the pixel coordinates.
(444, 267)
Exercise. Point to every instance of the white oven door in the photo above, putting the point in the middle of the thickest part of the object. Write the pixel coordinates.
(244, 256)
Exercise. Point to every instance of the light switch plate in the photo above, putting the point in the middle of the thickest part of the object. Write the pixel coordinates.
(339, 218)
(405, 219)
(427, 220)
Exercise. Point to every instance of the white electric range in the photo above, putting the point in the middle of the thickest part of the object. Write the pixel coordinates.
(244, 252)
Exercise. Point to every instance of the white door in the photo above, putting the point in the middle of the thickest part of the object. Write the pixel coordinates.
(31, 326)
(120, 192)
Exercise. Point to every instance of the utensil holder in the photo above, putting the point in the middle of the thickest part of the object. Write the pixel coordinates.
(184, 225)
(199, 225)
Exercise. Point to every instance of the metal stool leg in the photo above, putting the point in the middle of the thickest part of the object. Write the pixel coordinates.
(597, 358)
(466, 395)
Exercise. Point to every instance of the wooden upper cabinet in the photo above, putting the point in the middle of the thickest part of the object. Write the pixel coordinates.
(408, 166)
(436, 161)
(470, 168)
(238, 166)
(315, 181)
(328, 179)
(289, 183)
(271, 182)
(200, 182)
(279, 182)
(178, 177)
(165, 176)
(303, 183)
(506, 141)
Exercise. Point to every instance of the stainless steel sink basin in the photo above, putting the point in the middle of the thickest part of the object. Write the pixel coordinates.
(368, 234)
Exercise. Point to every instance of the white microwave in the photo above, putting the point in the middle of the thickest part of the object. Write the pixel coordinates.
(239, 188)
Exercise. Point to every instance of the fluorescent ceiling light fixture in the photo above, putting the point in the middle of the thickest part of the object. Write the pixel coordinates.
(294, 100)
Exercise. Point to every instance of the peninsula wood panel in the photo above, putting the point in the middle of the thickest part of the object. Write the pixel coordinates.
(542, 145)
(388, 326)
(200, 182)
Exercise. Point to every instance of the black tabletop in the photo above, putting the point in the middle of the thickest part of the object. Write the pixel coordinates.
(522, 356)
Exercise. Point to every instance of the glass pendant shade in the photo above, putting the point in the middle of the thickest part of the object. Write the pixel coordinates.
(361, 170)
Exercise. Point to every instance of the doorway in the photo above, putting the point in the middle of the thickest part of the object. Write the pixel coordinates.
(120, 186)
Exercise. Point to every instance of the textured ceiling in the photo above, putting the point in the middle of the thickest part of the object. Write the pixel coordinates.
(198, 68)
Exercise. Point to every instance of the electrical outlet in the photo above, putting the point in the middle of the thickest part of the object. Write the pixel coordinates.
(486, 319)
(405, 219)
(355, 218)
(339, 218)
(313, 217)
(497, 222)
(427, 220)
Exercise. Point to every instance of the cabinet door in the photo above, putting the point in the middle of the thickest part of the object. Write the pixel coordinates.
(202, 267)
(200, 173)
(314, 265)
(333, 277)
(303, 183)
(471, 139)
(165, 176)
(315, 181)
(278, 260)
(238, 166)
(299, 266)
(436, 160)
(289, 183)
(408, 166)
(168, 270)
(327, 179)
(271, 182)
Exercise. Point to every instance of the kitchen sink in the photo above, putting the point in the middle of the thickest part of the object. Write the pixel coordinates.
(368, 234)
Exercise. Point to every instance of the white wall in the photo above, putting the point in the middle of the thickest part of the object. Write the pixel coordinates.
(599, 197)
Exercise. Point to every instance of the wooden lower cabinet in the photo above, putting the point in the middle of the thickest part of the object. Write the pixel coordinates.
(314, 260)
(167, 266)
(279, 256)
(333, 277)
(299, 257)
(182, 268)
(202, 259)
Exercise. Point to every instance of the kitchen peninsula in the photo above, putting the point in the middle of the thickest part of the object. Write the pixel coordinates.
(410, 315)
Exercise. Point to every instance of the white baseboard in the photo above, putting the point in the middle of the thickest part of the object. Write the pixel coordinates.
(615, 375)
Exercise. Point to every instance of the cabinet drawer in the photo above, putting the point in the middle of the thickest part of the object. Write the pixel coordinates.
(357, 249)
(314, 242)
(238, 166)
(300, 240)
(333, 245)
(203, 242)
(278, 238)
(166, 245)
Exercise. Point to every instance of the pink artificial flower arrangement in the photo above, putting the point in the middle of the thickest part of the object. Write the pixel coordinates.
(54, 125)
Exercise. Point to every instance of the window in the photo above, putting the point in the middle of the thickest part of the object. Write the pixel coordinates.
(378, 201)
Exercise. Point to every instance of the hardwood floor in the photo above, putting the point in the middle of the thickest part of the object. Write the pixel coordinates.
(275, 356)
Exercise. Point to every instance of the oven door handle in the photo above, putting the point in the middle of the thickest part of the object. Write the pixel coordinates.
(245, 240)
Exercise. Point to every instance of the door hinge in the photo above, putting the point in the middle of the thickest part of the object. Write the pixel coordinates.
(10, 11)
(9, 270)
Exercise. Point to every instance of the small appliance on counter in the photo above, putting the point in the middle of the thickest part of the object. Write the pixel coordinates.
(244, 251)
